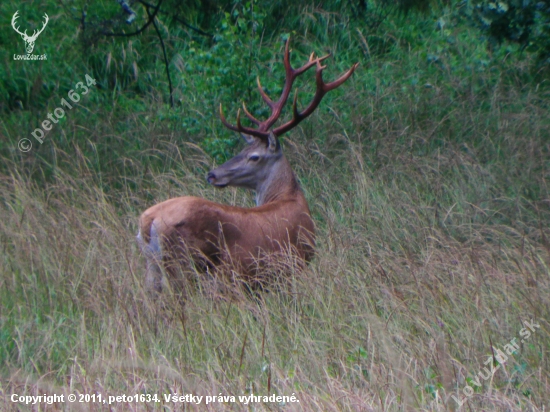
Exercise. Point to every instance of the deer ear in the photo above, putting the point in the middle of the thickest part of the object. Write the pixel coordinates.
(272, 142)
(248, 139)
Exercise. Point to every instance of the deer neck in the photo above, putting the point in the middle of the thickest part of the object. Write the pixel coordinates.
(280, 183)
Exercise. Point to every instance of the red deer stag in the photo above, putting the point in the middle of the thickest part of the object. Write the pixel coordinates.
(224, 238)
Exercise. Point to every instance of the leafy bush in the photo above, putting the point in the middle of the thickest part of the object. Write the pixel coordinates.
(526, 22)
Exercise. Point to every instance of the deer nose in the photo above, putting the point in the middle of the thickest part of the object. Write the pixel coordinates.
(210, 177)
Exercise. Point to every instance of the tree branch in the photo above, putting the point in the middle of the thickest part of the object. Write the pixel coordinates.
(165, 57)
(180, 20)
(151, 19)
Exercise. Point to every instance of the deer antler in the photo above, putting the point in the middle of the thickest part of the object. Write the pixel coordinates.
(276, 107)
(322, 89)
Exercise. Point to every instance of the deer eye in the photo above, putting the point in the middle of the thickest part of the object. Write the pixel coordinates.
(254, 158)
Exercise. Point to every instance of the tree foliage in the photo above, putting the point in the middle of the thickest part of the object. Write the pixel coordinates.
(526, 22)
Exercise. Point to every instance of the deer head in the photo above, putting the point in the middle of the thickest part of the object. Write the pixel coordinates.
(29, 40)
(262, 163)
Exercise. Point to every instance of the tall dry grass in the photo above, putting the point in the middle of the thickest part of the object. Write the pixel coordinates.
(433, 244)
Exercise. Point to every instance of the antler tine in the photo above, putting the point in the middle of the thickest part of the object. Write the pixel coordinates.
(248, 130)
(240, 128)
(333, 85)
(264, 95)
(321, 90)
(250, 116)
(320, 59)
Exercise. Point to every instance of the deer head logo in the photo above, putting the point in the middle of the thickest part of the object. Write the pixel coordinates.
(29, 40)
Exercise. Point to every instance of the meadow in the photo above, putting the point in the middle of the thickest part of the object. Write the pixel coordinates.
(427, 174)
